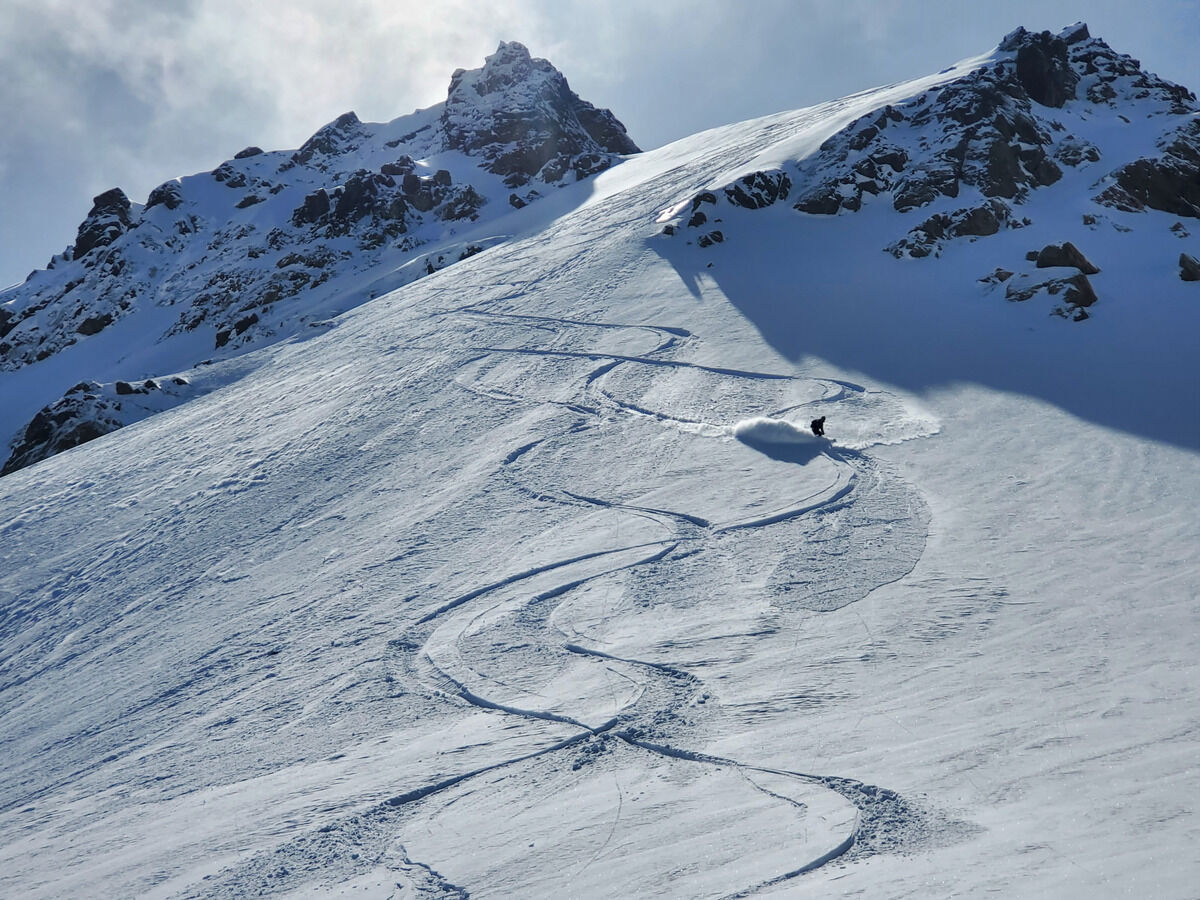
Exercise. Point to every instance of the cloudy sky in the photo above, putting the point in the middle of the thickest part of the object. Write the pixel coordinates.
(129, 93)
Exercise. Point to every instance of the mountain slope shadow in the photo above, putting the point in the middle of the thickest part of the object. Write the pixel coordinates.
(825, 290)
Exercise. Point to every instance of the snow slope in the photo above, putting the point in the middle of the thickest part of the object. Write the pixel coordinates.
(475, 592)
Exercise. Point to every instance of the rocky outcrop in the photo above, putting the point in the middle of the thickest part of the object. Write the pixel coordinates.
(990, 130)
(928, 237)
(1065, 254)
(340, 136)
(1169, 182)
(81, 416)
(108, 220)
(90, 410)
(520, 116)
(1189, 267)
(1043, 69)
(1076, 290)
(169, 195)
(759, 189)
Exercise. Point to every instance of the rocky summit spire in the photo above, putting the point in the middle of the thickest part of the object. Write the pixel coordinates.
(521, 116)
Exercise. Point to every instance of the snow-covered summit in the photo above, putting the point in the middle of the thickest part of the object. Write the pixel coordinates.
(980, 148)
(520, 114)
(267, 244)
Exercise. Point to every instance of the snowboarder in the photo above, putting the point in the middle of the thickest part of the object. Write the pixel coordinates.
(818, 427)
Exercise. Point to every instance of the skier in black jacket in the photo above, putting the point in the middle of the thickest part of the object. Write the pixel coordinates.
(818, 427)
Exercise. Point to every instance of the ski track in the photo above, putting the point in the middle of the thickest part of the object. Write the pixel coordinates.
(517, 610)
(666, 707)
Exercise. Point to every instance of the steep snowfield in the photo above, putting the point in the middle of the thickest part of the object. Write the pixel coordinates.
(475, 592)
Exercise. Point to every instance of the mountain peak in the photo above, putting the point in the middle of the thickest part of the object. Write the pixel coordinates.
(521, 116)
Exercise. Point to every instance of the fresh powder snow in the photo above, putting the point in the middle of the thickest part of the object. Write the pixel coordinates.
(525, 577)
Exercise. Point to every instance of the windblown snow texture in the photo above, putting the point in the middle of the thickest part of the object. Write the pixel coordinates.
(523, 578)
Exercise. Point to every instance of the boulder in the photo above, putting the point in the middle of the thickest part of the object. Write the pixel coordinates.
(1065, 254)
(248, 152)
(1079, 291)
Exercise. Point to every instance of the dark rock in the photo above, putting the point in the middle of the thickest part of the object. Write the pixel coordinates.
(1079, 291)
(713, 237)
(459, 202)
(1032, 255)
(245, 322)
(1066, 254)
(586, 165)
(759, 189)
(169, 194)
(668, 230)
(367, 194)
(248, 152)
(249, 200)
(922, 185)
(1074, 152)
(124, 387)
(1189, 267)
(338, 136)
(519, 114)
(825, 201)
(705, 197)
(229, 176)
(698, 218)
(108, 220)
(1044, 70)
(315, 206)
(93, 324)
(979, 221)
(516, 202)
(1169, 182)
(999, 276)
(442, 177)
(403, 166)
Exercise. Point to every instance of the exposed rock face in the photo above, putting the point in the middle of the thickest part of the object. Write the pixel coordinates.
(988, 130)
(1077, 293)
(1169, 182)
(90, 410)
(996, 133)
(1066, 254)
(521, 117)
(108, 220)
(256, 249)
(980, 221)
(338, 137)
(759, 189)
(1042, 65)
(1189, 267)
(169, 195)
(77, 418)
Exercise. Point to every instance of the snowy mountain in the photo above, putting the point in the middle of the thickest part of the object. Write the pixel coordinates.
(525, 576)
(268, 245)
